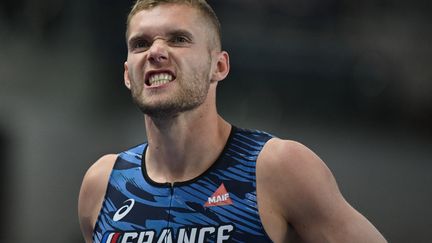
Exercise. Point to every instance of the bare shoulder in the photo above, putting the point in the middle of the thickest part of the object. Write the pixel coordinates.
(304, 193)
(92, 192)
(287, 162)
(288, 152)
(294, 159)
(96, 177)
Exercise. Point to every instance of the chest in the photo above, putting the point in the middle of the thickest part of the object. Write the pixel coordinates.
(218, 207)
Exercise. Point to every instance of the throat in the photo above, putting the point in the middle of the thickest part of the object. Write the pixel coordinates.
(175, 168)
(183, 151)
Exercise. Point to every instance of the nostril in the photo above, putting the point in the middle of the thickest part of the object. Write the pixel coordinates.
(157, 57)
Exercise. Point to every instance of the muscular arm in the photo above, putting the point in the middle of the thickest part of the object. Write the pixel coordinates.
(92, 193)
(303, 194)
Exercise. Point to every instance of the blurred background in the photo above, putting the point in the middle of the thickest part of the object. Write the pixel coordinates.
(352, 80)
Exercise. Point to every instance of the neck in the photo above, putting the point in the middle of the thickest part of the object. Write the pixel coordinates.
(183, 146)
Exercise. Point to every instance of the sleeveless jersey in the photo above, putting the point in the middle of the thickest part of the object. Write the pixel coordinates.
(220, 205)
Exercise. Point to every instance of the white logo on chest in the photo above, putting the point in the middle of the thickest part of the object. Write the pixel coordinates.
(123, 211)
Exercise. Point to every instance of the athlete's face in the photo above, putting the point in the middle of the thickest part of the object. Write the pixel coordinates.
(171, 62)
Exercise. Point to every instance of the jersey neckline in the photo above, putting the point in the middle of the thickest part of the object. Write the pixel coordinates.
(190, 181)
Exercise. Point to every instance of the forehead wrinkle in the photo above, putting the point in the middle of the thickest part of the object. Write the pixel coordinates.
(169, 12)
(155, 28)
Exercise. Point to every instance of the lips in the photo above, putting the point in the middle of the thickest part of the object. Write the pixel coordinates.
(158, 78)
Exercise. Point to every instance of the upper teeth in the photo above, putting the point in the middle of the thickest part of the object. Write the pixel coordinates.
(159, 79)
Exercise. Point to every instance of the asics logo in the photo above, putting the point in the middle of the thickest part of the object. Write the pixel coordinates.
(124, 210)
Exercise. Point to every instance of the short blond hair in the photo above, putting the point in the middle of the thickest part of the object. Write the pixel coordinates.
(201, 5)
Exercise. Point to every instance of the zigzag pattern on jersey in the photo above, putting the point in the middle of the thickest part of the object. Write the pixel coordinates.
(160, 206)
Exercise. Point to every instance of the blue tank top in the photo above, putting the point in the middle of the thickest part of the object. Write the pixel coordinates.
(218, 206)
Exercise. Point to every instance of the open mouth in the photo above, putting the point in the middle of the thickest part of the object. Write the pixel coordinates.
(158, 79)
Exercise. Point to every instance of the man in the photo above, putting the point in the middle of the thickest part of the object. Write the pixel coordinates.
(199, 179)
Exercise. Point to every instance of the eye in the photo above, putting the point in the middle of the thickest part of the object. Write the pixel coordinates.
(139, 45)
(179, 40)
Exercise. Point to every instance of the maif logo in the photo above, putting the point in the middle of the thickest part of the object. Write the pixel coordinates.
(124, 210)
(219, 198)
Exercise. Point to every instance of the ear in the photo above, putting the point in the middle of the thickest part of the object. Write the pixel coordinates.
(126, 76)
(222, 67)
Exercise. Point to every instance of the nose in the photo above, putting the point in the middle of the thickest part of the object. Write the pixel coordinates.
(158, 52)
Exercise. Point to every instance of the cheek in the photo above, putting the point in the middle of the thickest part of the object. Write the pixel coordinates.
(135, 65)
(199, 64)
(135, 75)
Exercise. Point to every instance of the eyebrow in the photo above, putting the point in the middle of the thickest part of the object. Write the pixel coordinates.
(180, 32)
(171, 33)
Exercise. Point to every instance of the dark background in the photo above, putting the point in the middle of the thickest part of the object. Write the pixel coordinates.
(352, 80)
